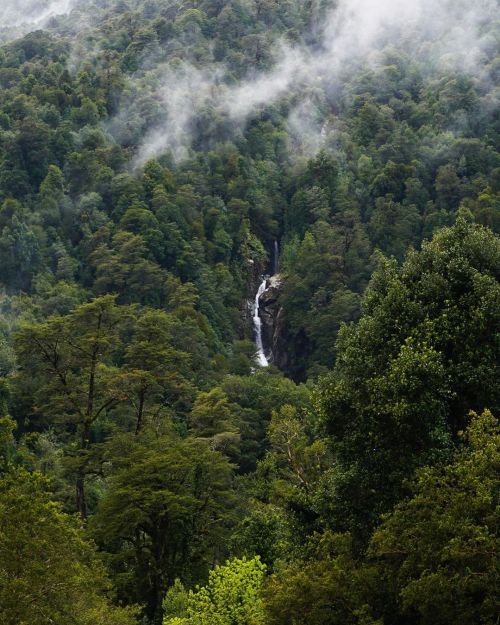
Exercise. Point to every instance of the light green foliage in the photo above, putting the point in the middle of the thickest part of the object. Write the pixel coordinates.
(231, 597)
(49, 571)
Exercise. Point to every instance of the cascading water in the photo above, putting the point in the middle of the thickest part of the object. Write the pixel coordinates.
(257, 321)
(276, 258)
(257, 324)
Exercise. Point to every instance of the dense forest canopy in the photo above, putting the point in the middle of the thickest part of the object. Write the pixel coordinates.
(159, 161)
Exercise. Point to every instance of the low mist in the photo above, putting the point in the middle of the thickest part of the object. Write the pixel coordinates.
(17, 17)
(442, 35)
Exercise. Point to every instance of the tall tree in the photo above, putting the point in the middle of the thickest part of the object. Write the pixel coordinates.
(70, 358)
(165, 515)
(438, 550)
(156, 378)
(425, 351)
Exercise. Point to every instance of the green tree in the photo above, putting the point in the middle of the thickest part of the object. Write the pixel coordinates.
(231, 597)
(20, 255)
(438, 550)
(214, 419)
(424, 351)
(156, 377)
(49, 571)
(165, 514)
(51, 196)
(253, 399)
(121, 267)
(326, 588)
(7, 429)
(70, 359)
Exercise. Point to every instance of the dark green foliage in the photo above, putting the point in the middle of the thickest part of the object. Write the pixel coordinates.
(329, 588)
(127, 355)
(438, 551)
(165, 516)
(433, 560)
(424, 352)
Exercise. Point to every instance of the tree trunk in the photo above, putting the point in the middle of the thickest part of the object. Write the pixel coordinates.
(140, 413)
(81, 504)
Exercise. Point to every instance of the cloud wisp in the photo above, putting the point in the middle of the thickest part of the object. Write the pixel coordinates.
(32, 12)
(442, 34)
(19, 17)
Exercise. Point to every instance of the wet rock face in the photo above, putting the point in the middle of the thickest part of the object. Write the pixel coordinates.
(269, 309)
(253, 279)
(273, 331)
(281, 353)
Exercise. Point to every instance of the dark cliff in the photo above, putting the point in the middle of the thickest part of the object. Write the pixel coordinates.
(273, 328)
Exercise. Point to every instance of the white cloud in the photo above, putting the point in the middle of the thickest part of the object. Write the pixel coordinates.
(441, 33)
(24, 15)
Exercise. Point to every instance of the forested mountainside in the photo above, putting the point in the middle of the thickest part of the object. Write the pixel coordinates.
(249, 312)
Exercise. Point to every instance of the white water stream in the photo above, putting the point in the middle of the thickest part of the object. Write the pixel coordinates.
(257, 324)
(257, 321)
(276, 257)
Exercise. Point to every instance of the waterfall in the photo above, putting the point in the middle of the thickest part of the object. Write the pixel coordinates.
(257, 324)
(257, 321)
(276, 258)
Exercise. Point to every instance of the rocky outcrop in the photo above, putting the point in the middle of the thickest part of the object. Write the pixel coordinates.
(269, 308)
(280, 347)
(273, 331)
(254, 273)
